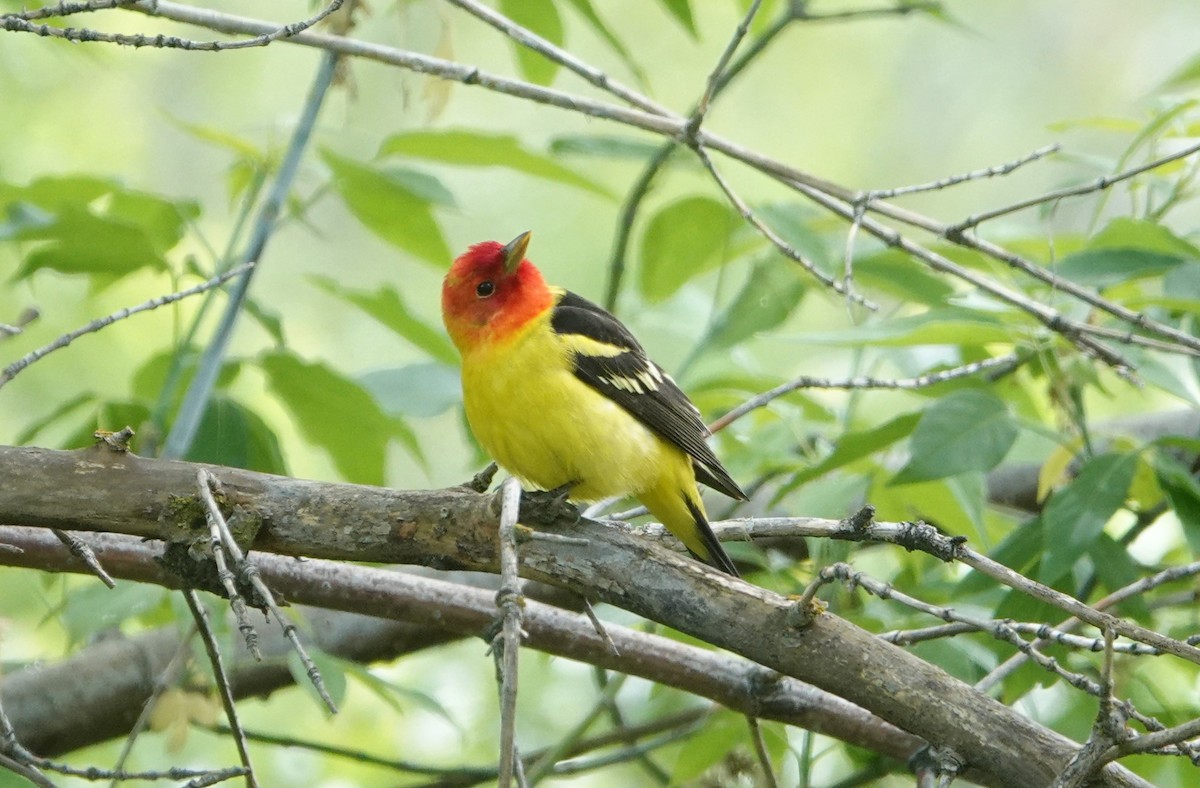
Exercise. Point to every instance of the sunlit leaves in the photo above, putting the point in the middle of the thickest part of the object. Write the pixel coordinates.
(393, 205)
(684, 239)
(91, 226)
(1075, 515)
(968, 430)
(386, 305)
(336, 414)
(772, 291)
(476, 149)
(542, 18)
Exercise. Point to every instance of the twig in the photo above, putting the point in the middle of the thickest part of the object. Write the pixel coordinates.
(830, 195)
(14, 368)
(1110, 726)
(248, 573)
(714, 79)
(1045, 634)
(18, 24)
(549, 50)
(789, 251)
(221, 678)
(927, 539)
(195, 401)
(570, 740)
(598, 625)
(80, 550)
(30, 773)
(760, 752)
(8, 330)
(66, 8)
(999, 365)
(1098, 184)
(1009, 666)
(217, 544)
(988, 172)
(506, 645)
(164, 680)
(476, 774)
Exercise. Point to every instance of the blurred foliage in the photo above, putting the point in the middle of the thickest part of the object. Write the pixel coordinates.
(342, 370)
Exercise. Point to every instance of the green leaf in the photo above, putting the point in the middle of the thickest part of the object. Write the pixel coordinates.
(852, 446)
(78, 241)
(94, 608)
(1126, 233)
(270, 321)
(682, 11)
(392, 694)
(707, 747)
(386, 306)
(773, 290)
(476, 149)
(336, 414)
(585, 9)
(1075, 515)
(968, 430)
(1183, 493)
(1185, 76)
(683, 240)
(1115, 568)
(420, 390)
(542, 18)
(951, 326)
(606, 147)
(232, 434)
(895, 272)
(389, 207)
(1104, 267)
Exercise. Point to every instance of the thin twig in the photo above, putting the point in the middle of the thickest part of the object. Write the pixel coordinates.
(830, 195)
(527, 38)
(80, 550)
(217, 544)
(195, 400)
(1099, 184)
(1141, 586)
(17, 23)
(162, 682)
(248, 573)
(506, 645)
(998, 366)
(67, 8)
(221, 678)
(953, 180)
(14, 368)
(760, 752)
(713, 85)
(789, 251)
(598, 625)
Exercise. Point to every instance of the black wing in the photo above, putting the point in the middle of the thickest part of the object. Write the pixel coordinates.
(609, 359)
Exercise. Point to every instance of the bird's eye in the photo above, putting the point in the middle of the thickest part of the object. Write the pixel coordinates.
(485, 288)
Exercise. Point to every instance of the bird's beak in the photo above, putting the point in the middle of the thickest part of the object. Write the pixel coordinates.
(514, 252)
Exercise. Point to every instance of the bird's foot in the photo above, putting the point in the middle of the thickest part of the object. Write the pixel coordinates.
(481, 481)
(547, 507)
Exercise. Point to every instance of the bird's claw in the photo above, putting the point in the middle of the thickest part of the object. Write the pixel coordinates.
(547, 507)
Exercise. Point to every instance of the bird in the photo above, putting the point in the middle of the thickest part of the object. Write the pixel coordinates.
(563, 397)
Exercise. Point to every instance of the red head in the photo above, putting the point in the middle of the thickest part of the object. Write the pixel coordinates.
(491, 291)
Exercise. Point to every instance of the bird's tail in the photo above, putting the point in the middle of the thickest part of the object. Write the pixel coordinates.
(679, 508)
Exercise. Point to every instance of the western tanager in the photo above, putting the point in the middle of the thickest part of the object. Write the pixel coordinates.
(560, 394)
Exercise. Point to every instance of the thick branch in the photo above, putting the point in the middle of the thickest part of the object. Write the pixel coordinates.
(96, 489)
(106, 684)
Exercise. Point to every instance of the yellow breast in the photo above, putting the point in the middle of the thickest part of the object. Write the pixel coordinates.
(548, 428)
